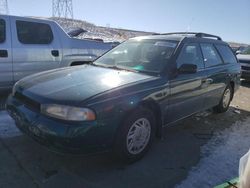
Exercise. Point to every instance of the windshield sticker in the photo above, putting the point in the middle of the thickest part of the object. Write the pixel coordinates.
(138, 67)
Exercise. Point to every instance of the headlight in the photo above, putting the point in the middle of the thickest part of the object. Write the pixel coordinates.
(68, 112)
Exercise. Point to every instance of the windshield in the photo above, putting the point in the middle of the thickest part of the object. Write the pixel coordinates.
(146, 55)
(246, 51)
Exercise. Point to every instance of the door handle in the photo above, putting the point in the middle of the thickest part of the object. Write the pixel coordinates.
(207, 81)
(55, 53)
(3, 53)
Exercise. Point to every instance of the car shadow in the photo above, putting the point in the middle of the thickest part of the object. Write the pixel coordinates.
(165, 165)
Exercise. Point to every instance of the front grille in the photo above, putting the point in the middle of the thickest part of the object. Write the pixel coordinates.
(244, 61)
(245, 68)
(29, 103)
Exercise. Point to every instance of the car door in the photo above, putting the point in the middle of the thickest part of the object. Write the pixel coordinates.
(216, 74)
(187, 92)
(6, 74)
(36, 47)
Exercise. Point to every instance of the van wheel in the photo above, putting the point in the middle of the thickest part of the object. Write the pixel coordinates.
(225, 100)
(135, 136)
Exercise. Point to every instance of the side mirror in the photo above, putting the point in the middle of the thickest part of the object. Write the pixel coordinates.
(187, 69)
(237, 52)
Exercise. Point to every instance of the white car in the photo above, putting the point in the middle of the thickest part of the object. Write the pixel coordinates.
(244, 59)
(29, 45)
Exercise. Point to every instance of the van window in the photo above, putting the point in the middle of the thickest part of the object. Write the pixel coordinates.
(2, 31)
(211, 56)
(226, 53)
(34, 33)
(190, 54)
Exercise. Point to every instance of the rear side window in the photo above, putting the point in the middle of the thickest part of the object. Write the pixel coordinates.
(211, 56)
(34, 33)
(2, 31)
(190, 54)
(226, 53)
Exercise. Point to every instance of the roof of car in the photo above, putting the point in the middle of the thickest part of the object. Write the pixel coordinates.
(160, 37)
(179, 36)
(26, 17)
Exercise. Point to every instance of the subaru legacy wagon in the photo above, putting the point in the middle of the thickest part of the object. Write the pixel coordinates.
(125, 98)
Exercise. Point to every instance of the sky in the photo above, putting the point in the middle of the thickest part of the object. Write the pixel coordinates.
(229, 19)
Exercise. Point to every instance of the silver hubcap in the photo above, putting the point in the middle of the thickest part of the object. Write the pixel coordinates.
(226, 98)
(138, 136)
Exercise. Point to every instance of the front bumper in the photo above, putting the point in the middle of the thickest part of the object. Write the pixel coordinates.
(62, 136)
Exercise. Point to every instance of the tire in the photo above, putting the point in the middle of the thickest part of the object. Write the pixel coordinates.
(225, 100)
(135, 136)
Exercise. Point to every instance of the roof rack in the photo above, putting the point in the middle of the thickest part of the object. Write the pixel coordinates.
(200, 35)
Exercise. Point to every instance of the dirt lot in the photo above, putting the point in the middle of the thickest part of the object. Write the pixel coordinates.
(24, 163)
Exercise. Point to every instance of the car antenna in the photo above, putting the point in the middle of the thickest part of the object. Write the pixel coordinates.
(189, 25)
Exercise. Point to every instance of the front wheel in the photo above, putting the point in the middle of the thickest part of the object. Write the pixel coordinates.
(225, 100)
(135, 136)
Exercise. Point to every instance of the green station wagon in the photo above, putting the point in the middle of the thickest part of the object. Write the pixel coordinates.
(125, 98)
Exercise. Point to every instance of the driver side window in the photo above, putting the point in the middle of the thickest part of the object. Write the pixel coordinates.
(190, 54)
(2, 31)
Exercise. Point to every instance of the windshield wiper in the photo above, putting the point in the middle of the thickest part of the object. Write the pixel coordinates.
(122, 68)
(114, 67)
(99, 65)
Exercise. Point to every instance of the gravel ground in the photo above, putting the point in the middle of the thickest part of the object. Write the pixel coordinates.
(220, 156)
(186, 153)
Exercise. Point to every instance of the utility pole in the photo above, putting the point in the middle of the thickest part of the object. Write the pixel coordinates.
(4, 7)
(63, 9)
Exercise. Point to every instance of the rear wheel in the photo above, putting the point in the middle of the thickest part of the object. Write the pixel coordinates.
(225, 100)
(135, 135)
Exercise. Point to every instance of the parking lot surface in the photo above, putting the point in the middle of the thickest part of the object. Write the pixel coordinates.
(24, 163)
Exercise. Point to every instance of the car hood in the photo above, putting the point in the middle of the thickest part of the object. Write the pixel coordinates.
(75, 84)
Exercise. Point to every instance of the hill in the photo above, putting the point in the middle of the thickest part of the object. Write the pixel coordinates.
(108, 34)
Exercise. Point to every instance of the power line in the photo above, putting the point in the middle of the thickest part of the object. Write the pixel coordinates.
(4, 7)
(62, 9)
